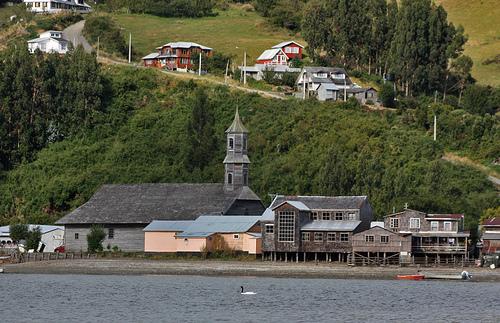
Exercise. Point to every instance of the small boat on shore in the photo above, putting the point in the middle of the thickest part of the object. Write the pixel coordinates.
(410, 277)
(464, 275)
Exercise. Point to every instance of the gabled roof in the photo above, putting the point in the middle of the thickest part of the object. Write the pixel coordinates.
(324, 69)
(167, 226)
(404, 211)
(285, 43)
(269, 54)
(360, 90)
(378, 227)
(5, 230)
(296, 204)
(492, 222)
(143, 203)
(44, 39)
(445, 216)
(324, 202)
(331, 226)
(151, 56)
(182, 44)
(237, 126)
(207, 225)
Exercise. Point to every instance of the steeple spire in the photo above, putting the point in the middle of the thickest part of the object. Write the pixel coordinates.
(236, 162)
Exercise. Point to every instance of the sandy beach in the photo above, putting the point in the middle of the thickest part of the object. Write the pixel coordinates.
(125, 266)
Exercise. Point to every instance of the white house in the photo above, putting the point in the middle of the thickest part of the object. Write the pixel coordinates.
(325, 83)
(257, 71)
(274, 56)
(49, 42)
(53, 6)
(52, 236)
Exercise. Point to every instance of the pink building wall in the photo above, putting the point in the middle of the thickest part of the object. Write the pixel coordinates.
(192, 244)
(160, 242)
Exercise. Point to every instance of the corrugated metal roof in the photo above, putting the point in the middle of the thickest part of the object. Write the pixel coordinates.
(492, 221)
(491, 236)
(377, 224)
(269, 54)
(442, 234)
(151, 56)
(207, 225)
(325, 202)
(445, 216)
(167, 226)
(43, 228)
(296, 204)
(285, 43)
(268, 215)
(331, 226)
(182, 44)
(329, 86)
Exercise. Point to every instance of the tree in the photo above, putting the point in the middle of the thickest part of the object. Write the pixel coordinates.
(461, 68)
(200, 129)
(387, 95)
(480, 99)
(18, 232)
(95, 238)
(490, 214)
(33, 238)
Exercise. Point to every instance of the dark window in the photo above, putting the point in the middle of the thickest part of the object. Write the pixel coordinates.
(286, 226)
(77, 236)
(244, 143)
(318, 236)
(231, 143)
(305, 236)
(369, 238)
(111, 233)
(344, 237)
(330, 236)
(230, 178)
(245, 178)
(338, 216)
(326, 216)
(269, 228)
(394, 223)
(384, 239)
(314, 216)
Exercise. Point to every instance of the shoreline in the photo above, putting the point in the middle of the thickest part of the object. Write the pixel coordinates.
(128, 266)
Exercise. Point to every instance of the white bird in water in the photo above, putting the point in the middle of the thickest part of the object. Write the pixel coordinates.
(246, 293)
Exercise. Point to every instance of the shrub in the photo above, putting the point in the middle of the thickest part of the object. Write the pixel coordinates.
(109, 33)
(386, 95)
(18, 232)
(33, 238)
(95, 238)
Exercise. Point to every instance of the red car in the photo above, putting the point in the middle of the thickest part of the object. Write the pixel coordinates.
(60, 249)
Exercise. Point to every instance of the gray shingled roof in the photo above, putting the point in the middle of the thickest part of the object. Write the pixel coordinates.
(331, 226)
(237, 126)
(143, 203)
(324, 202)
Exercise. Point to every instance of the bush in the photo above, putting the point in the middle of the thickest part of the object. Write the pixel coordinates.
(95, 238)
(33, 238)
(58, 21)
(386, 95)
(18, 232)
(109, 33)
(480, 99)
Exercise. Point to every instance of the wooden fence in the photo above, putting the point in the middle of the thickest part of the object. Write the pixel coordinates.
(46, 256)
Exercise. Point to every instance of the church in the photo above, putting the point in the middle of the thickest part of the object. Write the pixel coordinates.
(124, 210)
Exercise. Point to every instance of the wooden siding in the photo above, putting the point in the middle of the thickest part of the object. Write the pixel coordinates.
(126, 237)
(325, 245)
(425, 223)
(397, 242)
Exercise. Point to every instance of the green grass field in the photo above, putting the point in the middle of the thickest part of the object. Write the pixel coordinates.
(231, 32)
(481, 20)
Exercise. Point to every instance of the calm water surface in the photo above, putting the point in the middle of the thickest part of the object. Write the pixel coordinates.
(86, 298)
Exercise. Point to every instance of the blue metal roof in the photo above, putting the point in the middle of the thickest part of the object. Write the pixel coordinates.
(207, 225)
(166, 226)
(331, 225)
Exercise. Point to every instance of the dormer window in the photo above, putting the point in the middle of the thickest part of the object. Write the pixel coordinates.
(230, 143)
(230, 178)
(244, 143)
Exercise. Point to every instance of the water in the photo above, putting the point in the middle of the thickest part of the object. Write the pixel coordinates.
(87, 298)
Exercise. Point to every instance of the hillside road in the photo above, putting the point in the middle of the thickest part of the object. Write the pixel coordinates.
(74, 34)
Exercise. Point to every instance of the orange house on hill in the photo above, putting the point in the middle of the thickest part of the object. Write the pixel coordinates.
(176, 55)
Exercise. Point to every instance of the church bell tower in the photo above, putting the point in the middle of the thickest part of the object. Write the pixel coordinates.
(236, 162)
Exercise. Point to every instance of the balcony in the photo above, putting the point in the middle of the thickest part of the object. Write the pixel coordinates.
(439, 249)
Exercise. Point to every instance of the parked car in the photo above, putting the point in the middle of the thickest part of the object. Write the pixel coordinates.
(60, 249)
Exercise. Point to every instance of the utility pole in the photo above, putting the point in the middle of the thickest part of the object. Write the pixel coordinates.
(130, 48)
(97, 47)
(304, 83)
(345, 90)
(245, 68)
(435, 96)
(227, 67)
(199, 66)
(435, 127)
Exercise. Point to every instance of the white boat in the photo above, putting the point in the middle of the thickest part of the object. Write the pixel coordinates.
(462, 276)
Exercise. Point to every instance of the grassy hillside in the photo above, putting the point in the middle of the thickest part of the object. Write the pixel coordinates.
(296, 147)
(231, 32)
(481, 20)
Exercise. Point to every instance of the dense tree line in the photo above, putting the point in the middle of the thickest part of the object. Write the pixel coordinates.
(109, 34)
(160, 131)
(164, 8)
(44, 98)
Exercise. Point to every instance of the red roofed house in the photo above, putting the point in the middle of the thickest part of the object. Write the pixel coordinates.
(491, 236)
(176, 55)
(291, 49)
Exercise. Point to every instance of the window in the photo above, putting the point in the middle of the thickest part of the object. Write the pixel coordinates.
(318, 236)
(269, 228)
(245, 178)
(414, 223)
(384, 239)
(244, 143)
(230, 178)
(344, 237)
(230, 143)
(236, 236)
(286, 226)
(369, 238)
(434, 226)
(326, 216)
(351, 216)
(291, 50)
(338, 216)
(77, 236)
(111, 233)
(331, 236)
(306, 236)
(314, 216)
(394, 223)
(447, 226)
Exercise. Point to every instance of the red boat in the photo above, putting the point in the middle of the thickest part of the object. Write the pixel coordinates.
(410, 277)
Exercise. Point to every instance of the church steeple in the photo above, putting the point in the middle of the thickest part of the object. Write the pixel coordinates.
(236, 162)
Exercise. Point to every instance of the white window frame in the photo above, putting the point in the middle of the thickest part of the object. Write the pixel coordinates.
(341, 216)
(236, 236)
(447, 223)
(305, 236)
(413, 221)
(329, 236)
(351, 216)
(269, 228)
(434, 225)
(369, 238)
(394, 223)
(345, 236)
(384, 236)
(318, 235)
(229, 139)
(314, 216)
(326, 216)
(286, 233)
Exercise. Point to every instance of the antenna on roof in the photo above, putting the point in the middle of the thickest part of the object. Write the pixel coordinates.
(393, 209)
(406, 205)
